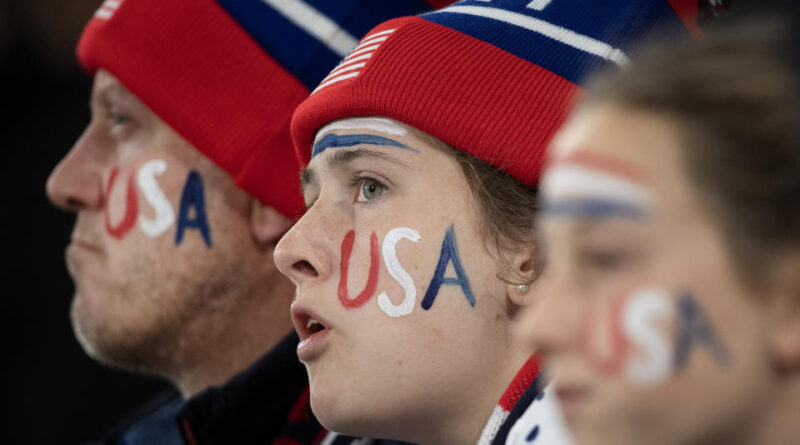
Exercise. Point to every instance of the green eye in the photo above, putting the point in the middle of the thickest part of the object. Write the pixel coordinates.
(370, 189)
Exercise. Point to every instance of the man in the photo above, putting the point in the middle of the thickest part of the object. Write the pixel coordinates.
(184, 180)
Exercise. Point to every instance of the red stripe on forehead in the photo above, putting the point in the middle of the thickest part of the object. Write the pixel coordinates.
(597, 161)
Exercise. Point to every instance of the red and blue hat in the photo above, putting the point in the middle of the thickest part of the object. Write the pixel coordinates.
(227, 74)
(494, 78)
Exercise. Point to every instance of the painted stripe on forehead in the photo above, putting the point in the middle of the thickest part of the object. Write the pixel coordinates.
(578, 181)
(379, 124)
(597, 161)
(331, 140)
(592, 208)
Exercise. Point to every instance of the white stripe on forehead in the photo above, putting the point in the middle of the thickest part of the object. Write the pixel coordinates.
(379, 124)
(572, 181)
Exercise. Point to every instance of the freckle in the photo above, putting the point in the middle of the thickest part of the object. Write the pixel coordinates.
(400, 363)
(497, 317)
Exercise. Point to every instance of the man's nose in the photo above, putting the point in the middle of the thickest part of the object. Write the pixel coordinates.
(76, 183)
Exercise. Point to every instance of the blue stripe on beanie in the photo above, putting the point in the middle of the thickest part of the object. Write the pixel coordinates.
(310, 57)
(585, 32)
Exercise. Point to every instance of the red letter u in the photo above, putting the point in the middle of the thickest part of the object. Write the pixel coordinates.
(131, 207)
(372, 280)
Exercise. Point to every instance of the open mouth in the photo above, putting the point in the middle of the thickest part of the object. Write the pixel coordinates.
(307, 323)
(312, 331)
(314, 326)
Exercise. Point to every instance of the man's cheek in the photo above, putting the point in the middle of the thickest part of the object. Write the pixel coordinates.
(191, 214)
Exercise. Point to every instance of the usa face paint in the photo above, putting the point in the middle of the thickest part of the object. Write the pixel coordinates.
(449, 255)
(587, 185)
(639, 323)
(397, 272)
(192, 213)
(164, 214)
(121, 229)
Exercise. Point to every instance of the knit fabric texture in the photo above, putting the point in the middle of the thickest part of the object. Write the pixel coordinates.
(492, 78)
(227, 74)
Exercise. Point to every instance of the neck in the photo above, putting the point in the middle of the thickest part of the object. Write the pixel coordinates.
(466, 424)
(235, 338)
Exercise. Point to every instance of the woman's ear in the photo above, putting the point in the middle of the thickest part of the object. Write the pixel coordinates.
(785, 317)
(267, 224)
(519, 279)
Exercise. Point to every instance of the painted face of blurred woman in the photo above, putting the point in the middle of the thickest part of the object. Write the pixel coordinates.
(651, 335)
(403, 323)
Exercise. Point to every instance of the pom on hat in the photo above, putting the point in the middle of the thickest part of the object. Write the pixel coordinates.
(227, 74)
(493, 78)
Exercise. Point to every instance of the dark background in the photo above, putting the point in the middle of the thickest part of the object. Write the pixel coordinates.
(51, 392)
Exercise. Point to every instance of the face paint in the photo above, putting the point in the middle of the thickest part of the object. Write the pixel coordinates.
(398, 273)
(695, 328)
(612, 363)
(448, 254)
(643, 311)
(192, 211)
(165, 215)
(379, 124)
(349, 140)
(131, 207)
(586, 185)
(193, 197)
(372, 280)
(637, 324)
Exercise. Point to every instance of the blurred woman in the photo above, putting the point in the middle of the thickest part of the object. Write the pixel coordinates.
(671, 216)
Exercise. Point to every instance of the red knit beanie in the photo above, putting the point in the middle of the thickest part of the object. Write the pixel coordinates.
(493, 78)
(227, 74)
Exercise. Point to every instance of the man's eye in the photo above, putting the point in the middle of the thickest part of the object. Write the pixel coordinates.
(115, 118)
(370, 189)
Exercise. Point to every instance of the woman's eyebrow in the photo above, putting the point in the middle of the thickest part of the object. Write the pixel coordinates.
(331, 140)
(341, 158)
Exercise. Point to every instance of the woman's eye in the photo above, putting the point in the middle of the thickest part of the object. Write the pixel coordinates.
(370, 189)
(603, 260)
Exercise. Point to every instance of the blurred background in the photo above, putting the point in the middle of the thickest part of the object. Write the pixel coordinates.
(51, 391)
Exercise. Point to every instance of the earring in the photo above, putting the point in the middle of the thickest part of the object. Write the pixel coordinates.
(523, 288)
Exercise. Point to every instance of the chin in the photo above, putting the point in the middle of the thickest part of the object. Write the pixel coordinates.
(357, 412)
(108, 339)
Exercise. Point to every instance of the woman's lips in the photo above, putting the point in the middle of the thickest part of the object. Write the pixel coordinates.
(311, 329)
(312, 347)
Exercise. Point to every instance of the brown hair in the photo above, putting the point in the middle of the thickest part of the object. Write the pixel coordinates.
(507, 207)
(735, 98)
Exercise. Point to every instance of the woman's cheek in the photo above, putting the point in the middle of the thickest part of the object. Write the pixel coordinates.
(650, 337)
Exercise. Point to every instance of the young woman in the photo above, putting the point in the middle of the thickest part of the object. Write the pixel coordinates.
(671, 208)
(421, 150)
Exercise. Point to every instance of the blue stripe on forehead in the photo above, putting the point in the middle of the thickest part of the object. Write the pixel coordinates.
(349, 140)
(592, 208)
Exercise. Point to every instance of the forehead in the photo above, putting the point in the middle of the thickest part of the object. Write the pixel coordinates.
(107, 87)
(638, 147)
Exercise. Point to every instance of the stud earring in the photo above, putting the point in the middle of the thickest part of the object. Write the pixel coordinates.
(523, 288)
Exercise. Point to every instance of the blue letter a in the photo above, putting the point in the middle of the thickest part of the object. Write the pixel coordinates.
(193, 197)
(693, 326)
(449, 253)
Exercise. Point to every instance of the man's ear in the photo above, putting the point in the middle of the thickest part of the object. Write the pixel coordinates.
(519, 278)
(267, 224)
(785, 317)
